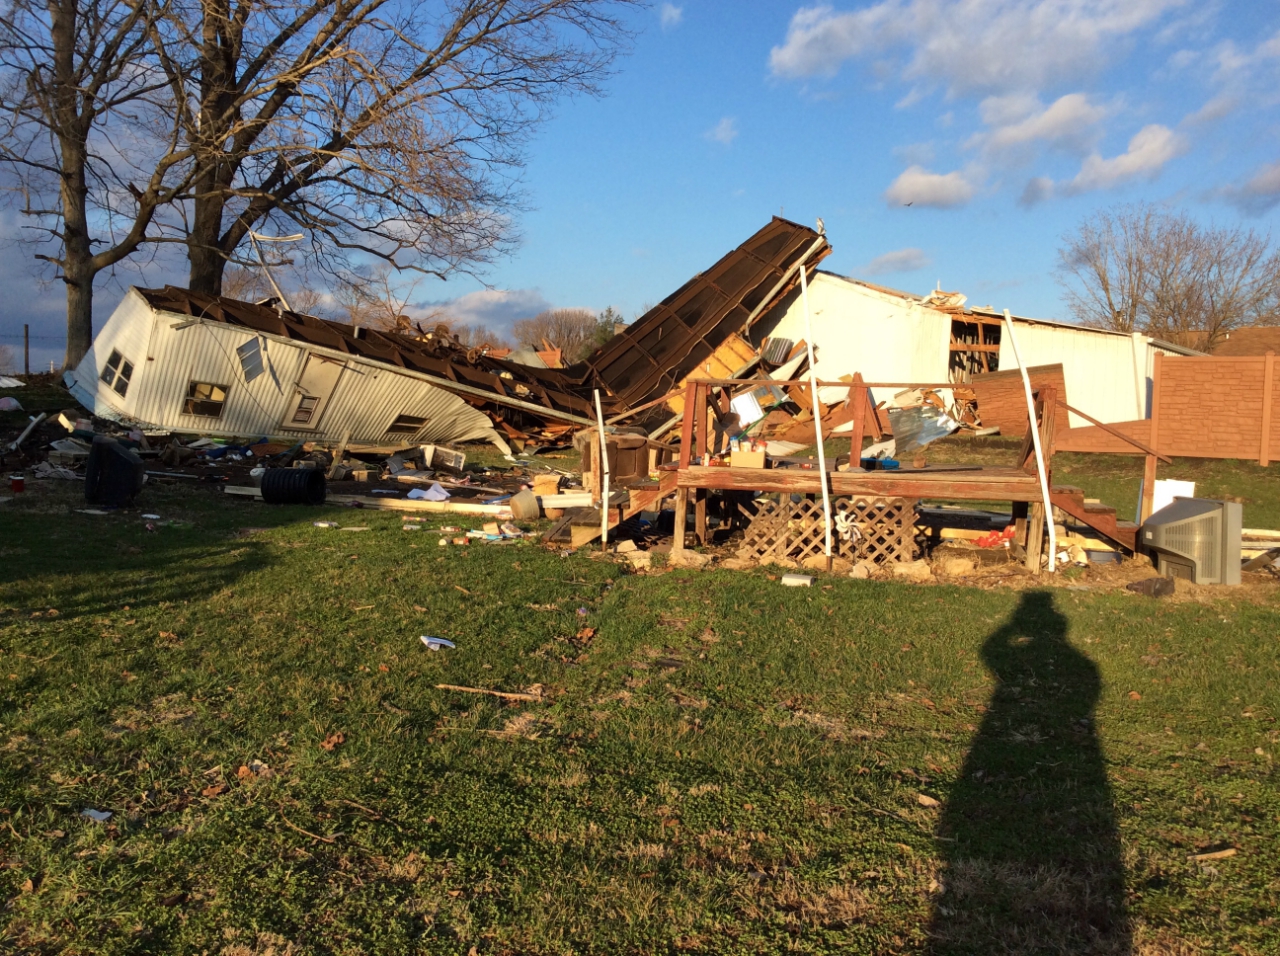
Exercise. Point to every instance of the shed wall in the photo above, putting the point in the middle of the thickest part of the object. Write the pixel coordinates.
(1106, 375)
(856, 329)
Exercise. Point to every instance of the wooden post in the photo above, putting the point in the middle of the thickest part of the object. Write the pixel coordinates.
(1148, 488)
(338, 455)
(700, 515)
(858, 395)
(1149, 469)
(1020, 523)
(682, 519)
(1035, 537)
(26, 350)
(1268, 380)
(701, 398)
(686, 426)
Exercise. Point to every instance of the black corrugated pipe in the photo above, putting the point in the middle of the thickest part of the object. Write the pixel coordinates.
(293, 486)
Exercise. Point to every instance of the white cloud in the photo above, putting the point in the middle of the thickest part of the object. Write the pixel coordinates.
(725, 131)
(1215, 109)
(968, 45)
(919, 187)
(900, 260)
(497, 309)
(669, 15)
(1020, 121)
(1260, 194)
(1149, 150)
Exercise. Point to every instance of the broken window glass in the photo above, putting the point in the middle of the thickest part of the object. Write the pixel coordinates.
(251, 359)
(117, 373)
(205, 399)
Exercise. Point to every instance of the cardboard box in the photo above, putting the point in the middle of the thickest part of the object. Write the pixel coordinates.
(746, 459)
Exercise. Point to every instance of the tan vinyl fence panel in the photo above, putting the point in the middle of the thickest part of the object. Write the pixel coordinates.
(1202, 407)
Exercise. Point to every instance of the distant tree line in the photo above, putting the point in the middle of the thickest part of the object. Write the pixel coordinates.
(1140, 268)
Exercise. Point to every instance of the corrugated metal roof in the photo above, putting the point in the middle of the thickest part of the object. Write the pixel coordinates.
(670, 340)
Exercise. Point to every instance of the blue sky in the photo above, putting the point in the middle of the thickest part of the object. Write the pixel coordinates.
(1001, 122)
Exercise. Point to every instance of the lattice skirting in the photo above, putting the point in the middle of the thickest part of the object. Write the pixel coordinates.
(877, 529)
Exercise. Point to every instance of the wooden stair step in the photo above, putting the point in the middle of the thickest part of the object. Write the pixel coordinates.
(1069, 490)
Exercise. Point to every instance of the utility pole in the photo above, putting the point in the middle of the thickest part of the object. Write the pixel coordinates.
(26, 350)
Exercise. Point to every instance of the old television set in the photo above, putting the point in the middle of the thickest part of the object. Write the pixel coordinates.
(1196, 539)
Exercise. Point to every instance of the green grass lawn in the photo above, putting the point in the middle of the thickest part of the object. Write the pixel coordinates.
(720, 765)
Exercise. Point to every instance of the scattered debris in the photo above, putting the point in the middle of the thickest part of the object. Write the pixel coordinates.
(97, 816)
(1152, 587)
(437, 643)
(1214, 855)
(535, 692)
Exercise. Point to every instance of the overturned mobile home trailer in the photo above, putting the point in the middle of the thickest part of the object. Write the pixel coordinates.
(176, 360)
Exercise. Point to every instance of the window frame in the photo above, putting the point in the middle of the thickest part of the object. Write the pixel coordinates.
(191, 402)
(117, 373)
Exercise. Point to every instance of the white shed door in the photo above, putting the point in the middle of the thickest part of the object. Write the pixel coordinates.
(315, 386)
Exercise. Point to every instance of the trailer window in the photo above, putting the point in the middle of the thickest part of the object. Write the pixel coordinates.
(306, 408)
(205, 399)
(117, 372)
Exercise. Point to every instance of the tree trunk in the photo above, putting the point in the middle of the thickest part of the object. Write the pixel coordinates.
(79, 315)
(77, 256)
(203, 252)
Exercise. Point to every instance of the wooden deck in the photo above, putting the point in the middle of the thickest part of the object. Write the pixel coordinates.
(985, 484)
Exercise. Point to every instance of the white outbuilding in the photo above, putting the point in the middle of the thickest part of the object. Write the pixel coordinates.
(892, 336)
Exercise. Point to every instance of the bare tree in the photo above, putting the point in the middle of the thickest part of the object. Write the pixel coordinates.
(381, 129)
(575, 331)
(477, 335)
(1139, 268)
(384, 130)
(93, 151)
(1104, 267)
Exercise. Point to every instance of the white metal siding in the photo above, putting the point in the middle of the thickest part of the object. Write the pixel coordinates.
(1099, 367)
(856, 329)
(128, 331)
(368, 397)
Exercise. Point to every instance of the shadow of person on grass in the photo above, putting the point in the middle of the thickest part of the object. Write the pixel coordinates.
(1028, 834)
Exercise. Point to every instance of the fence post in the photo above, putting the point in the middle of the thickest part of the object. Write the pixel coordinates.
(1268, 380)
(1149, 469)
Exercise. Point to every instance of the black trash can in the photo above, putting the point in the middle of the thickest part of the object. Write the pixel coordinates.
(293, 486)
(113, 475)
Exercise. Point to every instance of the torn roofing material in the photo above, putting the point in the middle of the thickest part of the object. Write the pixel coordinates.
(669, 341)
(435, 353)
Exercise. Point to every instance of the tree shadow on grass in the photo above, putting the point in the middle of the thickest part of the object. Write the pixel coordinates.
(86, 569)
(1032, 854)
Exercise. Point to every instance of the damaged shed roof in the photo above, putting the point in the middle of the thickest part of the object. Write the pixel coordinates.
(673, 338)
